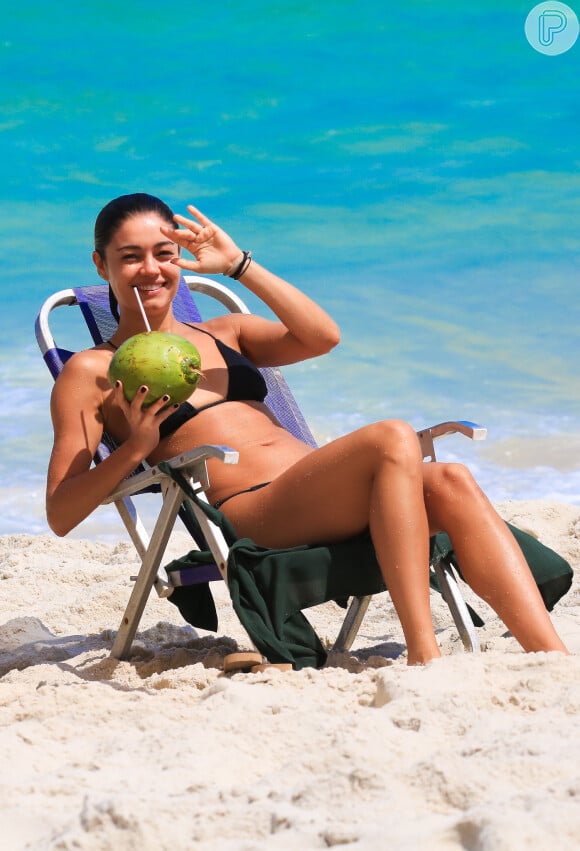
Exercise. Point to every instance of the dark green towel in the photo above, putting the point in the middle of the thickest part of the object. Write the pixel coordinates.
(270, 588)
(552, 573)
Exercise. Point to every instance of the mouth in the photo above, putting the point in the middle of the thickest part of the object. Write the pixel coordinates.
(149, 288)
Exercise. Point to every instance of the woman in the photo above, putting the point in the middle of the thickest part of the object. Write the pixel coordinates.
(282, 492)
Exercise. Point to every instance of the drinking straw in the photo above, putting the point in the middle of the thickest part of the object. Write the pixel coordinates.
(141, 308)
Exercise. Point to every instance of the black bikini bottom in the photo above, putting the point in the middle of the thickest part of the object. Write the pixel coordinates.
(220, 502)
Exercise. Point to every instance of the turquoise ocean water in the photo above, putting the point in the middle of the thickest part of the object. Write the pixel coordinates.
(415, 167)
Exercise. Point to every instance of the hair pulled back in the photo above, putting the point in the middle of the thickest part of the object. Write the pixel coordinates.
(119, 209)
(115, 213)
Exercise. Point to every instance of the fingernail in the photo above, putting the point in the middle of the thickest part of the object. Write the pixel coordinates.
(142, 390)
(117, 383)
(165, 398)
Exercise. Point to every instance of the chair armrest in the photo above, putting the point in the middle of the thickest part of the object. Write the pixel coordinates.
(221, 293)
(194, 461)
(43, 333)
(428, 435)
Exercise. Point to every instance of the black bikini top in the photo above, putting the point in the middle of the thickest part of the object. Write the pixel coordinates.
(245, 383)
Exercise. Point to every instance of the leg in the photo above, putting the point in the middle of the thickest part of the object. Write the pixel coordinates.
(490, 558)
(371, 478)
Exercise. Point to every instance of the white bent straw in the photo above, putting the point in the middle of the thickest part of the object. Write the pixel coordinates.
(141, 308)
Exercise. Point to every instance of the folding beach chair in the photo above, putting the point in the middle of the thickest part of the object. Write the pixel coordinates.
(94, 305)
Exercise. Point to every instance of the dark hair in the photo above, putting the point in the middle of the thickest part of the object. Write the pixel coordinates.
(115, 213)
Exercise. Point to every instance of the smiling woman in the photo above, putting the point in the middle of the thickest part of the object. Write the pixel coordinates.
(137, 246)
(282, 492)
(108, 230)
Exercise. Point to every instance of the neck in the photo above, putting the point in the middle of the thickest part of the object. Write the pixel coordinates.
(132, 323)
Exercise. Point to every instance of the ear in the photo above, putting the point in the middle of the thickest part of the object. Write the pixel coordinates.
(101, 266)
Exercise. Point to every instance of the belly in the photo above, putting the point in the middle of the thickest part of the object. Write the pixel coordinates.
(265, 448)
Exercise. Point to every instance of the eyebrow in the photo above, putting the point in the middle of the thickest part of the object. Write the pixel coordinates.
(140, 247)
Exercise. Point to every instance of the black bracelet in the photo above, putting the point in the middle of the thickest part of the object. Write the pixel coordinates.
(242, 266)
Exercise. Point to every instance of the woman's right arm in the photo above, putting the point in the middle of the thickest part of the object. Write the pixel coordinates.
(75, 488)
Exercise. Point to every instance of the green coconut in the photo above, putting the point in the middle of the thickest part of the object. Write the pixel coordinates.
(165, 363)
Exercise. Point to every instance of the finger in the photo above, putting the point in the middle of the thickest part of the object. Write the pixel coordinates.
(175, 235)
(189, 265)
(119, 394)
(190, 224)
(159, 404)
(183, 235)
(166, 412)
(170, 232)
(185, 239)
(139, 398)
(199, 215)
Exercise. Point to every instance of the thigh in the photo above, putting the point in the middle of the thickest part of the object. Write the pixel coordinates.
(325, 496)
(312, 501)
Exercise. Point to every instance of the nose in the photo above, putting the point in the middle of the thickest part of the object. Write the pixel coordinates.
(150, 265)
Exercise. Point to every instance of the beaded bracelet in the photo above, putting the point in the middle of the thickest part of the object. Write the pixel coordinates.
(240, 267)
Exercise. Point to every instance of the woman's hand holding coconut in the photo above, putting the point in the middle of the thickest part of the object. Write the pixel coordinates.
(143, 420)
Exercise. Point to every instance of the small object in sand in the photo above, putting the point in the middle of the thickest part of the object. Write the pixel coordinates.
(242, 661)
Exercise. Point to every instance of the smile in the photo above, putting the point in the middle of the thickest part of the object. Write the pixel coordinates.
(149, 288)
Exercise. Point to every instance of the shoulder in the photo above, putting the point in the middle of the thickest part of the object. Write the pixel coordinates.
(225, 327)
(248, 333)
(85, 373)
(87, 362)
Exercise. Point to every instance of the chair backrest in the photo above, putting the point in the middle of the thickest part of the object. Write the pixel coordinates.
(94, 304)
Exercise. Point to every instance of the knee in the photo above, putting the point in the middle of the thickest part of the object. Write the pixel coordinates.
(454, 483)
(395, 441)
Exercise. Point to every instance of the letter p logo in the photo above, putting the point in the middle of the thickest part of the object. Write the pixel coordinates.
(552, 28)
(550, 23)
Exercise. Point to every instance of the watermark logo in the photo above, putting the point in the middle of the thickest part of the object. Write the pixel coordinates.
(552, 28)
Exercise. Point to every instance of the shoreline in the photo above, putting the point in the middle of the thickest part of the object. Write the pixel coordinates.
(502, 468)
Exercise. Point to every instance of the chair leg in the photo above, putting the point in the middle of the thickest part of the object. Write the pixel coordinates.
(133, 524)
(452, 596)
(147, 573)
(351, 624)
(457, 606)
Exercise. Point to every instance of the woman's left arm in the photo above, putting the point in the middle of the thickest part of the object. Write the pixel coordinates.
(305, 330)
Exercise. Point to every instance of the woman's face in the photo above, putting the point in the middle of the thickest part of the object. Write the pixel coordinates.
(139, 257)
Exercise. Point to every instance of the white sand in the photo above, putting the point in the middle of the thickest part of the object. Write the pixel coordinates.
(166, 752)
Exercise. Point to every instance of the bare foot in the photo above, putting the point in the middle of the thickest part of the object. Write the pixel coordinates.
(422, 658)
